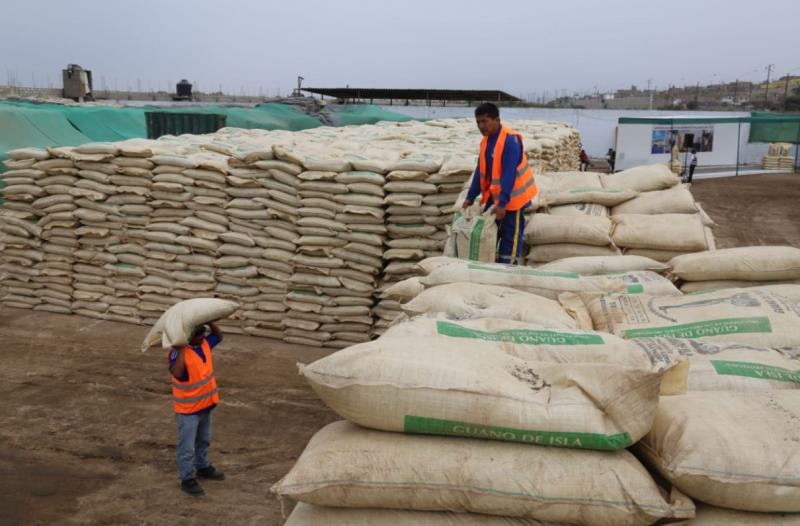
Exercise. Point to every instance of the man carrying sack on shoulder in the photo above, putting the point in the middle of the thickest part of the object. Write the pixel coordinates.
(504, 179)
(195, 395)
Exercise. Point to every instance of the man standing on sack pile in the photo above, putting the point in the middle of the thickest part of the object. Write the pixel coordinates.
(195, 395)
(504, 175)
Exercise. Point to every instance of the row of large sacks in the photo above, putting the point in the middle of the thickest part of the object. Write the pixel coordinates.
(640, 211)
(493, 400)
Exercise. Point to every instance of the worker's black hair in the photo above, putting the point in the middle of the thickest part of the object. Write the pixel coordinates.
(487, 108)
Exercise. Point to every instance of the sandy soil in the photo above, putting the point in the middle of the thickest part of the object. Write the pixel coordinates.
(87, 433)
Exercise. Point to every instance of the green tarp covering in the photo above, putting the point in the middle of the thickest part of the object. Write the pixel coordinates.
(350, 115)
(26, 124)
(774, 127)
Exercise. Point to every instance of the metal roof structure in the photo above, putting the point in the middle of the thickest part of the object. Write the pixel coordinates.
(415, 94)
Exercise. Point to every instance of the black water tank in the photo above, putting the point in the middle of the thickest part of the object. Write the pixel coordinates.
(184, 89)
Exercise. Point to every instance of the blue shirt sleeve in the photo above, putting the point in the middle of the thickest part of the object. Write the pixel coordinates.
(475, 186)
(212, 340)
(173, 356)
(512, 156)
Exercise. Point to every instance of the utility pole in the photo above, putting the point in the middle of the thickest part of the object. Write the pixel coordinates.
(766, 90)
(786, 94)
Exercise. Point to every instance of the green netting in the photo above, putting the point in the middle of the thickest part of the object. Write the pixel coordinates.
(105, 124)
(367, 114)
(26, 124)
(771, 127)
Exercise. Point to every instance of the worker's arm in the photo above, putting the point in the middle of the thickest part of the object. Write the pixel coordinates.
(512, 156)
(474, 189)
(215, 331)
(177, 364)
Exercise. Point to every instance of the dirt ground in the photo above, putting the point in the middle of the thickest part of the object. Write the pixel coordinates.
(87, 433)
(752, 209)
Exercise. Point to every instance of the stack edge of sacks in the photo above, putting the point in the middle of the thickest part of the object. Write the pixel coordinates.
(452, 402)
(663, 221)
(571, 217)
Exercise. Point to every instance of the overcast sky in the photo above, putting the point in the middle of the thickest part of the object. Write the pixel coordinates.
(523, 47)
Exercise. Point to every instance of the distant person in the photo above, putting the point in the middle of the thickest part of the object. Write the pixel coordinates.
(503, 178)
(584, 158)
(194, 396)
(692, 164)
(611, 157)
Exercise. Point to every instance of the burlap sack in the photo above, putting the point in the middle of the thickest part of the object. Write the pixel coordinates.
(545, 283)
(349, 466)
(721, 366)
(734, 450)
(175, 326)
(543, 229)
(310, 515)
(755, 316)
(470, 300)
(675, 200)
(593, 265)
(475, 236)
(767, 263)
(472, 387)
(677, 232)
(645, 178)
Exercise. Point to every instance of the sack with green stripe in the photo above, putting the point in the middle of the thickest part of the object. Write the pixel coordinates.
(545, 283)
(475, 236)
(706, 515)
(646, 282)
(531, 341)
(310, 515)
(728, 449)
(479, 388)
(754, 315)
(347, 466)
(461, 301)
(720, 366)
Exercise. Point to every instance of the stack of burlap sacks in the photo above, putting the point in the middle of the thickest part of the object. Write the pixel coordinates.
(640, 211)
(480, 361)
(301, 229)
(778, 157)
(492, 368)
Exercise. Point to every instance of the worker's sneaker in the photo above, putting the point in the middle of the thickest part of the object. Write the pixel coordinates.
(191, 487)
(210, 473)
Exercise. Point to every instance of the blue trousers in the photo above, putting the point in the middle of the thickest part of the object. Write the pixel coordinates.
(510, 233)
(194, 439)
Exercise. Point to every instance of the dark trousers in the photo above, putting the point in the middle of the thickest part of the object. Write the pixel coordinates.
(510, 233)
(691, 172)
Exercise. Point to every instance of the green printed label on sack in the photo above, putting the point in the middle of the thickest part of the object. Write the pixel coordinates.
(756, 370)
(635, 289)
(522, 336)
(475, 239)
(520, 271)
(584, 190)
(701, 329)
(435, 426)
(307, 293)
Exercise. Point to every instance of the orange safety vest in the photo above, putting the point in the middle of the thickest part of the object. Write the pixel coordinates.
(200, 390)
(524, 186)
